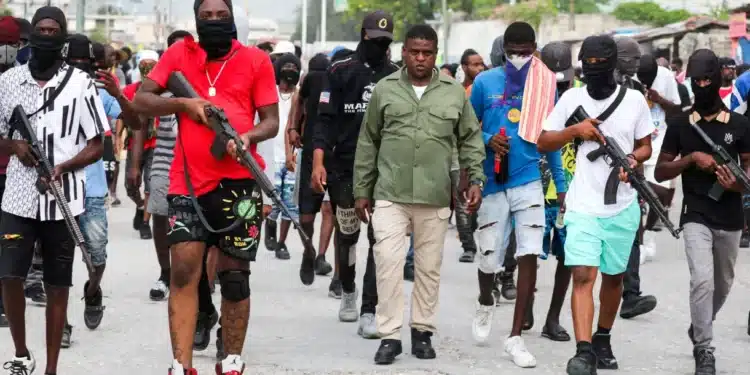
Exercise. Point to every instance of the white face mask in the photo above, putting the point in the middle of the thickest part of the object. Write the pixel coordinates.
(518, 60)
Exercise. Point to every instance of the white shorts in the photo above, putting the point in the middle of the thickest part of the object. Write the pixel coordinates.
(648, 171)
(521, 209)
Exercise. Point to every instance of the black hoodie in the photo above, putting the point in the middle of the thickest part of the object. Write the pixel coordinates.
(310, 93)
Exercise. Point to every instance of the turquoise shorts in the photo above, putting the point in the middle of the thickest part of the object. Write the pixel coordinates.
(601, 242)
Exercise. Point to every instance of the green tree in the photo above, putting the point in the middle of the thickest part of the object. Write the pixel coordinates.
(405, 12)
(339, 26)
(580, 6)
(532, 12)
(649, 13)
(4, 11)
(98, 35)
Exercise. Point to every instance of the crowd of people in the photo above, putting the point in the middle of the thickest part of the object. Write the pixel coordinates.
(506, 150)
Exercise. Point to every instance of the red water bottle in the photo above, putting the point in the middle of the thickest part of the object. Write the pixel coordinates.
(497, 157)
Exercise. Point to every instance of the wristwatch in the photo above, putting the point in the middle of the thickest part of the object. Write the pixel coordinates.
(479, 183)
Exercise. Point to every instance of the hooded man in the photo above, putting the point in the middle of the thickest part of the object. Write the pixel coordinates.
(599, 236)
(25, 209)
(343, 102)
(241, 81)
(712, 227)
(497, 55)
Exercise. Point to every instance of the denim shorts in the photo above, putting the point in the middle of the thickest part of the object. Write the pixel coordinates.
(284, 181)
(554, 237)
(605, 243)
(93, 224)
(522, 208)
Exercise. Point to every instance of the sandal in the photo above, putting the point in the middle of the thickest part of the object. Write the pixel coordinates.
(555, 333)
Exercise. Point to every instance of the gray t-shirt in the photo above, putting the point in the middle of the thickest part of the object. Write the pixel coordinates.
(166, 139)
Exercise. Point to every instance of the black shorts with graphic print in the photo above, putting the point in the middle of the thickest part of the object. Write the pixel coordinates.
(220, 207)
(19, 234)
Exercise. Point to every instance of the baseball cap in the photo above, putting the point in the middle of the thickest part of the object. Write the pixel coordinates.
(727, 62)
(378, 24)
(559, 58)
(283, 47)
(10, 33)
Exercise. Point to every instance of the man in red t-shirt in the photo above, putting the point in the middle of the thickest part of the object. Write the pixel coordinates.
(728, 74)
(140, 145)
(241, 81)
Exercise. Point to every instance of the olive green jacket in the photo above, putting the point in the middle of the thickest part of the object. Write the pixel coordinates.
(406, 145)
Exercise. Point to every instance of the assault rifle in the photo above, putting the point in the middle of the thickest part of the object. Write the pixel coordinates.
(218, 122)
(722, 157)
(619, 159)
(20, 122)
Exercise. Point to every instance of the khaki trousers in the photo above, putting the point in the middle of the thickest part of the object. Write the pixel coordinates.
(391, 223)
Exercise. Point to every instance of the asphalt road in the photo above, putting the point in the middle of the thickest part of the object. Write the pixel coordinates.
(295, 330)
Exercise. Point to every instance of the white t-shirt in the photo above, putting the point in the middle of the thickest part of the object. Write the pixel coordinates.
(285, 107)
(630, 121)
(666, 85)
(419, 90)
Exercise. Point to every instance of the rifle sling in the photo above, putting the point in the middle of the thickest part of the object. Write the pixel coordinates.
(194, 200)
(51, 98)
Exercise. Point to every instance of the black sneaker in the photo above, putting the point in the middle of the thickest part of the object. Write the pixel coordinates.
(605, 359)
(322, 267)
(421, 345)
(66, 336)
(138, 219)
(334, 290)
(203, 328)
(282, 252)
(3, 320)
(507, 285)
(705, 362)
(584, 363)
(220, 354)
(467, 257)
(270, 236)
(36, 294)
(94, 311)
(145, 231)
(635, 306)
(409, 273)
(388, 351)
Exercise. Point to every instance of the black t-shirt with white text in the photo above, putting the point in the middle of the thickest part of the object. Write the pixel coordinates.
(732, 132)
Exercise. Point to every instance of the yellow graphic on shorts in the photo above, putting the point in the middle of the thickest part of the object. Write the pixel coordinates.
(11, 236)
(243, 205)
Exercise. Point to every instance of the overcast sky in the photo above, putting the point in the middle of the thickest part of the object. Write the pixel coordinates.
(279, 10)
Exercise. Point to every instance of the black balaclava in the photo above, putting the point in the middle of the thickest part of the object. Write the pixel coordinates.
(374, 51)
(288, 76)
(215, 36)
(600, 77)
(46, 58)
(703, 64)
(79, 47)
(319, 63)
(647, 70)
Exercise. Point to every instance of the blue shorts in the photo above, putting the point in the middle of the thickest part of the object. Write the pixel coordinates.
(284, 181)
(601, 242)
(93, 224)
(554, 238)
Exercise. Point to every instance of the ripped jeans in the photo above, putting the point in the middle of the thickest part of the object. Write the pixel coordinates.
(522, 205)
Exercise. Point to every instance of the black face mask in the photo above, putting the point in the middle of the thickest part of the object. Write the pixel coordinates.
(600, 75)
(647, 70)
(291, 77)
(215, 37)
(704, 64)
(46, 58)
(562, 87)
(375, 50)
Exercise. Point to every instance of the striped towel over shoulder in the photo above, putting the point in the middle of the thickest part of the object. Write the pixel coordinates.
(538, 100)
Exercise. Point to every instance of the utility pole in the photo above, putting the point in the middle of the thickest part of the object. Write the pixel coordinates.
(323, 20)
(80, 16)
(572, 18)
(303, 44)
(446, 28)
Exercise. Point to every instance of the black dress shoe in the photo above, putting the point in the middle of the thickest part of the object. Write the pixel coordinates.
(388, 351)
(421, 345)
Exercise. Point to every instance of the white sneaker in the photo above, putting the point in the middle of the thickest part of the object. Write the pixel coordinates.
(643, 254)
(348, 310)
(368, 326)
(232, 364)
(515, 347)
(649, 246)
(176, 368)
(21, 365)
(482, 324)
(159, 291)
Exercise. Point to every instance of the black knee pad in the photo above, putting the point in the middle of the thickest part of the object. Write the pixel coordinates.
(235, 285)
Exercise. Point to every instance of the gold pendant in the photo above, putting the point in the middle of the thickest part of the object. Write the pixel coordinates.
(212, 91)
